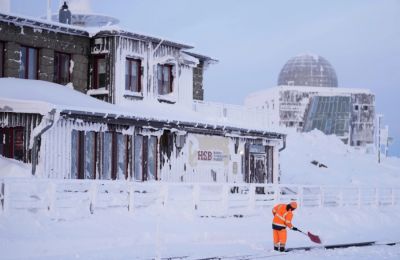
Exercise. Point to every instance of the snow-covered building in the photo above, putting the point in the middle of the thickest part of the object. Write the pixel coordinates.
(146, 130)
(308, 97)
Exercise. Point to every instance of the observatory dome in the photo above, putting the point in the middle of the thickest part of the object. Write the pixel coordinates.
(308, 70)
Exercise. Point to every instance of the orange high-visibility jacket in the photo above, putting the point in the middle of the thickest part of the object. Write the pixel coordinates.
(282, 217)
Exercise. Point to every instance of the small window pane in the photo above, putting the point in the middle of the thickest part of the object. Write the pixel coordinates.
(32, 68)
(101, 73)
(61, 68)
(90, 155)
(107, 155)
(138, 158)
(74, 154)
(22, 65)
(152, 158)
(127, 76)
(121, 160)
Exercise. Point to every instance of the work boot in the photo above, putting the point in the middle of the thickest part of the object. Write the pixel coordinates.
(276, 248)
(282, 249)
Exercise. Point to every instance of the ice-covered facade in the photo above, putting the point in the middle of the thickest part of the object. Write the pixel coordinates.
(308, 97)
(127, 111)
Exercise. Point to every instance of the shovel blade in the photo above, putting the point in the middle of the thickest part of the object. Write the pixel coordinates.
(314, 238)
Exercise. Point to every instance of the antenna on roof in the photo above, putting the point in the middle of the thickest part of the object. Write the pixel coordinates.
(64, 15)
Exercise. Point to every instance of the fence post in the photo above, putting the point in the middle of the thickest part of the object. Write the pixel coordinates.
(300, 195)
(224, 198)
(321, 197)
(276, 194)
(196, 196)
(6, 191)
(51, 192)
(130, 197)
(252, 197)
(164, 195)
(93, 195)
(1, 196)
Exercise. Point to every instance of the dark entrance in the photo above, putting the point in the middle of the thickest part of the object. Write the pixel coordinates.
(12, 142)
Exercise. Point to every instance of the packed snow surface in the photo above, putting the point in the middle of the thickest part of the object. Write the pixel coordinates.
(345, 165)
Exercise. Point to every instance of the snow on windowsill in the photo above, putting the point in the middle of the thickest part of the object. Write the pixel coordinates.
(99, 91)
(169, 98)
(133, 94)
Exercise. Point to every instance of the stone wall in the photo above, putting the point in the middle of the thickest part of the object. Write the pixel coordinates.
(198, 91)
(47, 42)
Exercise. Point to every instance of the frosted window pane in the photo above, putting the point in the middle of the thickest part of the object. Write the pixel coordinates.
(89, 155)
(22, 65)
(74, 154)
(106, 162)
(32, 70)
(138, 161)
(121, 160)
(152, 158)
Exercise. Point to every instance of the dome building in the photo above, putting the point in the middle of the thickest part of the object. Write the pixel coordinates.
(307, 97)
(308, 70)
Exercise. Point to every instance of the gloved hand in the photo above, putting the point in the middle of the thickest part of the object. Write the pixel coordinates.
(295, 229)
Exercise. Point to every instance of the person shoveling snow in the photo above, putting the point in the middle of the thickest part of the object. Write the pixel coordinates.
(283, 214)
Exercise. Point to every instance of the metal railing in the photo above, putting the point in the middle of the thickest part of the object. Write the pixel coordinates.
(235, 114)
(202, 199)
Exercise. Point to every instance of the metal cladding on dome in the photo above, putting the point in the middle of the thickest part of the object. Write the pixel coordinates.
(308, 70)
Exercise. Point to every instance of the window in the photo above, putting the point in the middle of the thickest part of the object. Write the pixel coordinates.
(365, 107)
(99, 72)
(133, 75)
(83, 159)
(2, 59)
(28, 68)
(115, 156)
(164, 77)
(145, 158)
(12, 142)
(61, 68)
(356, 107)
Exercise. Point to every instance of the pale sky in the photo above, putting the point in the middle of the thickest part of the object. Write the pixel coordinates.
(253, 39)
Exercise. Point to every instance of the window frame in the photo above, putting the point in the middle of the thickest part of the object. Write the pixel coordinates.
(95, 83)
(128, 86)
(58, 67)
(27, 69)
(171, 77)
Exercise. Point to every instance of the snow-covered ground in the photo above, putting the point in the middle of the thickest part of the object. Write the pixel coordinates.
(171, 232)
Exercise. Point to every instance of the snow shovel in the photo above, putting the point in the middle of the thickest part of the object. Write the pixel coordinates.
(312, 237)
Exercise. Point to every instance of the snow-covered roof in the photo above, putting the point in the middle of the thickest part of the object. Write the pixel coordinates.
(136, 36)
(201, 57)
(109, 30)
(42, 24)
(36, 96)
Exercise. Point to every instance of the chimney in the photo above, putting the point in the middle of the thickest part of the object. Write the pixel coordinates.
(64, 16)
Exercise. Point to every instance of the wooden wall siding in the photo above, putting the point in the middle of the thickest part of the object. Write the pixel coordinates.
(55, 150)
(163, 51)
(28, 121)
(132, 46)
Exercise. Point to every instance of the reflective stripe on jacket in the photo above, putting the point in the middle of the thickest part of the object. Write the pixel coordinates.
(282, 217)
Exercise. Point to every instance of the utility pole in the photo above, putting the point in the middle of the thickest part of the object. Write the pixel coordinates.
(379, 137)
